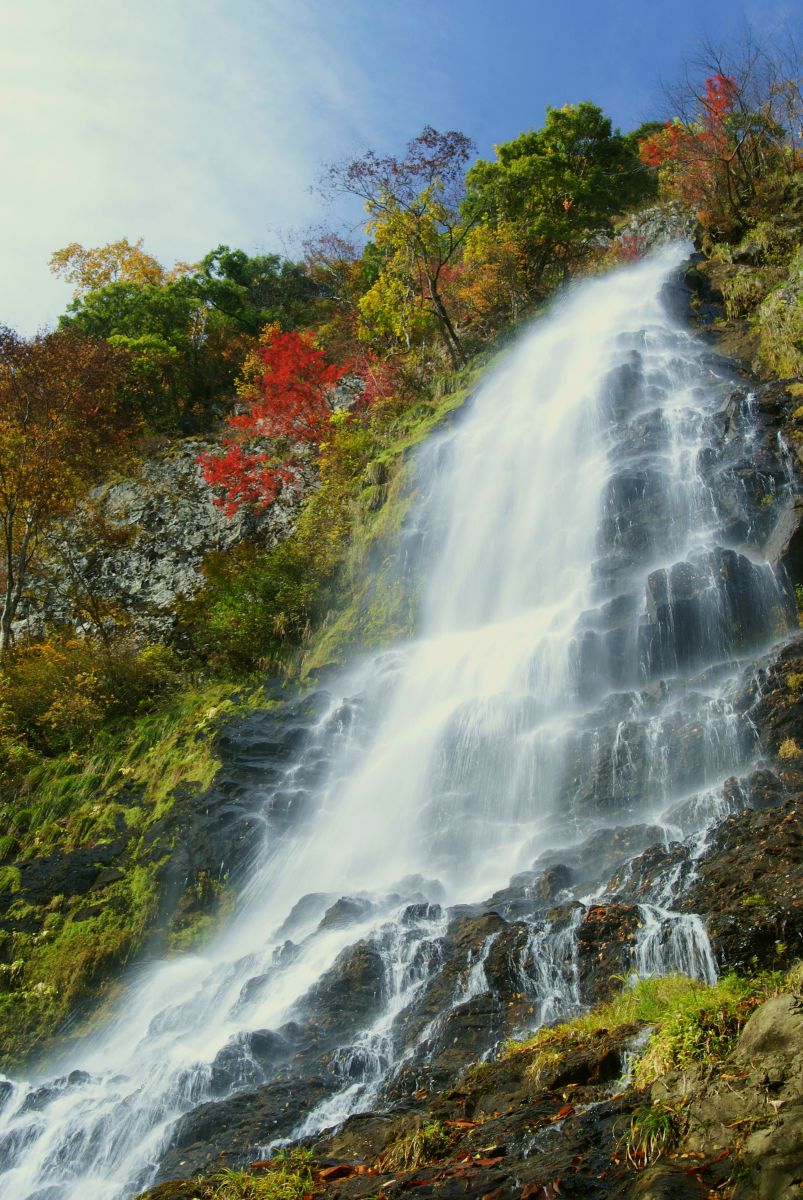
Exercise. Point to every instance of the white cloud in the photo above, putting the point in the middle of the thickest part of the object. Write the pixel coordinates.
(190, 123)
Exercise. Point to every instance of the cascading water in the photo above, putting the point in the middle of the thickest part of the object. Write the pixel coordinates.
(584, 614)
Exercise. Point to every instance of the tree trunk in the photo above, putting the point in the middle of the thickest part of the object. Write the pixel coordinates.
(5, 620)
(16, 573)
(450, 338)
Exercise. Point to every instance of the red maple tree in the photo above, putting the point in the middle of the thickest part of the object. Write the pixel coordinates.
(291, 403)
(709, 161)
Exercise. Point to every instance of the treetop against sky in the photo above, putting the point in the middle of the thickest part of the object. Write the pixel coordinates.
(200, 122)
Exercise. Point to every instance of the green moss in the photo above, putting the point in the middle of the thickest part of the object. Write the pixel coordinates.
(372, 606)
(754, 901)
(743, 291)
(9, 879)
(779, 321)
(78, 802)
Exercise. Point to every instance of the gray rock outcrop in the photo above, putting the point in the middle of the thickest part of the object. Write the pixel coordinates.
(138, 543)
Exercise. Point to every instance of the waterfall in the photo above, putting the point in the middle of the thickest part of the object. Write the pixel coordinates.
(587, 602)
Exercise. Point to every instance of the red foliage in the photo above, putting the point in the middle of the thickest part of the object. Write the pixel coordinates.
(244, 478)
(292, 403)
(664, 146)
(719, 99)
(294, 396)
(676, 142)
(630, 247)
(697, 155)
(380, 381)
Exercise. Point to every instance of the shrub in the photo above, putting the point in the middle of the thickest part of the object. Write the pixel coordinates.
(780, 325)
(702, 1026)
(255, 607)
(54, 694)
(789, 749)
(690, 1021)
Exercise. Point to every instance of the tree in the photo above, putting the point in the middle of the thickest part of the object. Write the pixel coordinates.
(116, 262)
(493, 284)
(59, 428)
(419, 221)
(291, 402)
(257, 290)
(163, 326)
(342, 272)
(556, 187)
(737, 123)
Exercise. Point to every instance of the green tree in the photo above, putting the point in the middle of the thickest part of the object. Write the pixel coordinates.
(559, 186)
(256, 290)
(163, 326)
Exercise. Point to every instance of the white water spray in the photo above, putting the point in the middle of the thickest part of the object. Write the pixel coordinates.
(575, 585)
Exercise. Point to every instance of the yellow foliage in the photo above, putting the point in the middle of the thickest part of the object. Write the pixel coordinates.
(494, 284)
(95, 266)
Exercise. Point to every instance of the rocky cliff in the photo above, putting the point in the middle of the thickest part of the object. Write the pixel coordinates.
(137, 546)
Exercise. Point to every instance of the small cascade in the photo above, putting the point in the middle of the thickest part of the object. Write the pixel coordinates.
(463, 822)
(673, 943)
(549, 970)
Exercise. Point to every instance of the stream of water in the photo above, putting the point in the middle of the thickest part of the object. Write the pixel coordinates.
(585, 610)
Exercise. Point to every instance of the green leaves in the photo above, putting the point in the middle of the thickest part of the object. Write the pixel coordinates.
(559, 185)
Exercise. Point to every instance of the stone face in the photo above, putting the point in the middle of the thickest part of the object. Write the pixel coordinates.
(243, 1124)
(719, 601)
(784, 546)
(163, 522)
(605, 942)
(754, 914)
(663, 223)
(347, 996)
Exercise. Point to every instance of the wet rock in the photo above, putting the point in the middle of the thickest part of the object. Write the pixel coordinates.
(365, 1135)
(601, 853)
(784, 548)
(706, 608)
(414, 913)
(72, 874)
(622, 387)
(348, 995)
(773, 697)
(247, 1059)
(305, 912)
(754, 915)
(605, 949)
(548, 885)
(238, 1127)
(346, 911)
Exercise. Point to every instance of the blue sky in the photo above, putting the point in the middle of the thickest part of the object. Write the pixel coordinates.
(196, 122)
